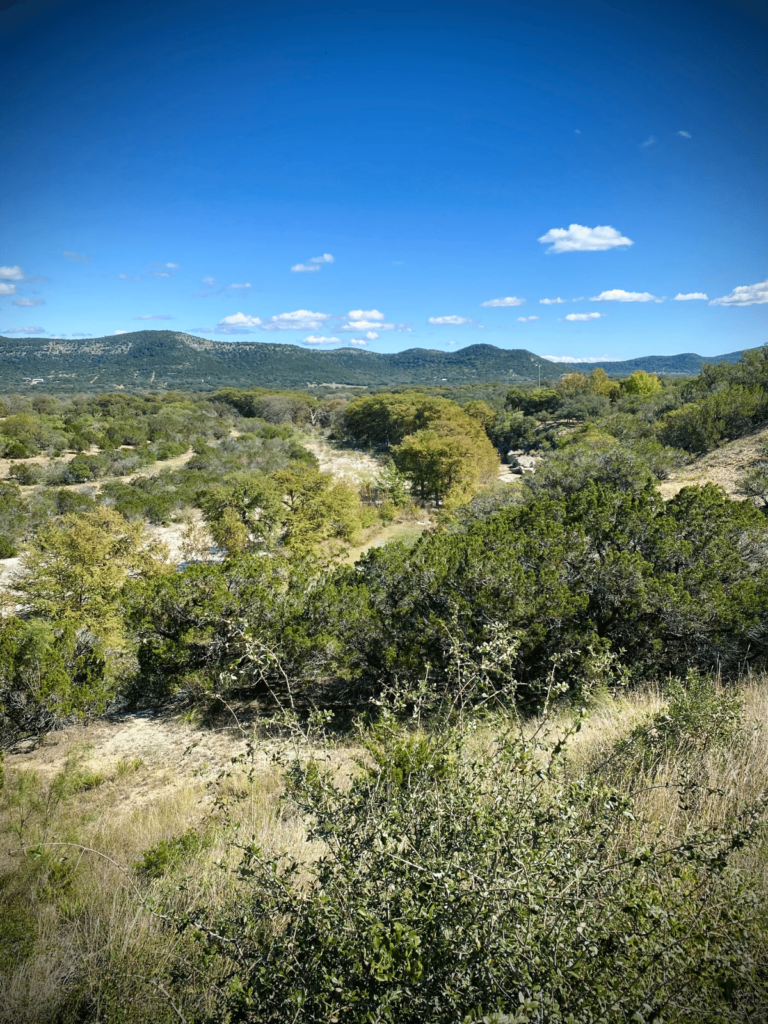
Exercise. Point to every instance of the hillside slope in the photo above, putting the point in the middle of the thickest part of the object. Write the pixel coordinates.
(155, 360)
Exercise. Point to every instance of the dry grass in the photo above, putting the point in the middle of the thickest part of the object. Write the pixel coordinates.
(164, 777)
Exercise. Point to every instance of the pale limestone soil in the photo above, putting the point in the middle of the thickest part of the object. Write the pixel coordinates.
(356, 467)
(723, 466)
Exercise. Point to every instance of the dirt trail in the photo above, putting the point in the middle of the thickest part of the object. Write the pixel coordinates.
(723, 466)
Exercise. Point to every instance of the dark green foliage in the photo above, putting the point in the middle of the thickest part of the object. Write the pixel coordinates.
(669, 584)
(140, 360)
(7, 550)
(49, 675)
(12, 511)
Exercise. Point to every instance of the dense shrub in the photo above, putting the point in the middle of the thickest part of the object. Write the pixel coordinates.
(464, 885)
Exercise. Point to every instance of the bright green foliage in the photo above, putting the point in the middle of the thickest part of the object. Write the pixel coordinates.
(641, 383)
(446, 460)
(75, 569)
(319, 508)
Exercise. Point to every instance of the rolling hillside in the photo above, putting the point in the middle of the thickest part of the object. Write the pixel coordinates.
(155, 360)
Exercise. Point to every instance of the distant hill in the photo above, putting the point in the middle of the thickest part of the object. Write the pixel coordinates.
(159, 360)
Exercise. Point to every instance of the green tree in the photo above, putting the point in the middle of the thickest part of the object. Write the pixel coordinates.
(641, 383)
(244, 513)
(76, 567)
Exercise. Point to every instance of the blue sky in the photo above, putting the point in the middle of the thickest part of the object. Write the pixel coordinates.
(391, 175)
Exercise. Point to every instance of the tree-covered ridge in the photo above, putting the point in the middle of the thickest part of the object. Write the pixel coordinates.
(150, 360)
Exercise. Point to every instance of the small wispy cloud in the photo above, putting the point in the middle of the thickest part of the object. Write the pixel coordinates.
(370, 336)
(245, 286)
(650, 141)
(160, 273)
(122, 332)
(25, 330)
(525, 319)
(510, 300)
(552, 302)
(29, 302)
(209, 281)
(358, 341)
(76, 257)
(80, 335)
(684, 135)
(744, 295)
(11, 274)
(452, 321)
(578, 238)
(687, 296)
(619, 295)
(312, 265)
(584, 316)
(321, 339)
(366, 314)
(7, 288)
(154, 316)
(575, 359)
(298, 320)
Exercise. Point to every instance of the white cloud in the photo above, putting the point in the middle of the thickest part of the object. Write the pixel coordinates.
(29, 302)
(525, 319)
(584, 316)
(173, 266)
(7, 289)
(321, 339)
(365, 314)
(210, 281)
(370, 335)
(25, 330)
(122, 332)
(450, 320)
(312, 265)
(365, 325)
(11, 274)
(246, 285)
(76, 257)
(619, 295)
(578, 238)
(239, 320)
(510, 300)
(159, 273)
(574, 359)
(650, 141)
(744, 295)
(680, 297)
(153, 317)
(685, 135)
(358, 341)
(298, 320)
(552, 302)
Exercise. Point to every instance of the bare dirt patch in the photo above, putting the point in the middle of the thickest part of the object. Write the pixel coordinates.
(354, 466)
(723, 467)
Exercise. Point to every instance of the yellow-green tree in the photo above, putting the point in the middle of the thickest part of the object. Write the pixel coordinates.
(641, 383)
(318, 508)
(449, 459)
(76, 567)
(601, 384)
